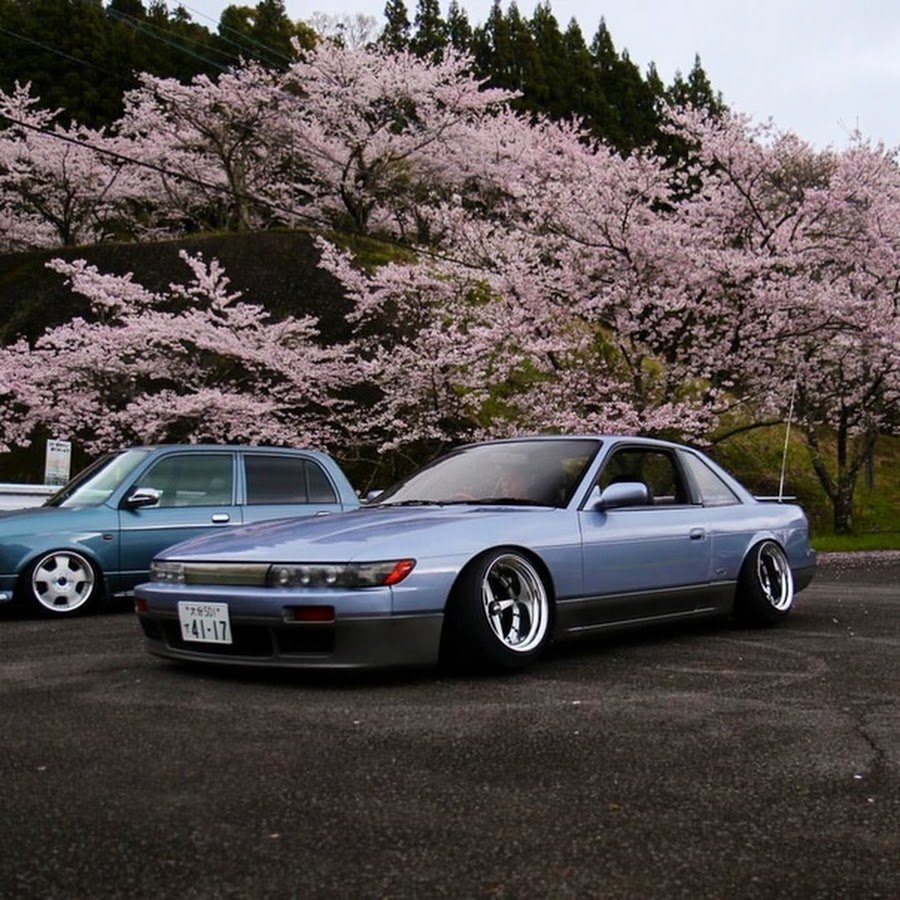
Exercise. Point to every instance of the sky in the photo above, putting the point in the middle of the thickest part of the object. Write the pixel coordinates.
(822, 69)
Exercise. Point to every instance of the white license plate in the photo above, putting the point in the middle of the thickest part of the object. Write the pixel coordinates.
(206, 623)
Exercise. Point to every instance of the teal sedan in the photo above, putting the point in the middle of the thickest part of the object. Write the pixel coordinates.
(95, 537)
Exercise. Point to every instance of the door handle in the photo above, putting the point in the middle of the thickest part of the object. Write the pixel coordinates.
(697, 534)
(219, 518)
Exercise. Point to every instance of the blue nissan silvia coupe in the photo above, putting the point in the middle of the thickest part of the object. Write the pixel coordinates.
(485, 556)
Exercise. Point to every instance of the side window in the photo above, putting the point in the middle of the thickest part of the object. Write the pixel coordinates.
(285, 479)
(196, 479)
(713, 491)
(656, 469)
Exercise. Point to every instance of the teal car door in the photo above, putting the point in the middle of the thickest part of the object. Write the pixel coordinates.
(196, 495)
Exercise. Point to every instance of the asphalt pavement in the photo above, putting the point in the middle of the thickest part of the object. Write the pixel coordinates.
(703, 761)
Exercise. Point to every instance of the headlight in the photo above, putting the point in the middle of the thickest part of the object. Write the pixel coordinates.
(169, 572)
(351, 575)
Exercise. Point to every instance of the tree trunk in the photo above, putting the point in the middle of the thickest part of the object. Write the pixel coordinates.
(840, 486)
(842, 503)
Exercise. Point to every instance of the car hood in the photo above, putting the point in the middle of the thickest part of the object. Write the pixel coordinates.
(376, 533)
(43, 519)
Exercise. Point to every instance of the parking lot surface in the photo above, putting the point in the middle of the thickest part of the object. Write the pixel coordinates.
(703, 761)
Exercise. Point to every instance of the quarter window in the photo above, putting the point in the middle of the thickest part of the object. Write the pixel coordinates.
(713, 491)
(286, 479)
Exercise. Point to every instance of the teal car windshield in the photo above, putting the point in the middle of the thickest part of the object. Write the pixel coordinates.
(95, 485)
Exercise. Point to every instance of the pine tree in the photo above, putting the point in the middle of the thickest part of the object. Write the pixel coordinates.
(548, 81)
(633, 116)
(430, 36)
(586, 100)
(396, 30)
(459, 31)
(696, 91)
(133, 8)
(492, 48)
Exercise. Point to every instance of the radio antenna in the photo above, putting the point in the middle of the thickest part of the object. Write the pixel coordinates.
(787, 437)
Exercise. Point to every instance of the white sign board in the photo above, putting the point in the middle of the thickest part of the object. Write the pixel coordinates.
(58, 465)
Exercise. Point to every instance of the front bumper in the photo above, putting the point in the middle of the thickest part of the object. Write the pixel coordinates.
(264, 635)
(7, 588)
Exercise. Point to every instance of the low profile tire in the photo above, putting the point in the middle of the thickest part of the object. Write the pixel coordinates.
(499, 615)
(765, 592)
(61, 583)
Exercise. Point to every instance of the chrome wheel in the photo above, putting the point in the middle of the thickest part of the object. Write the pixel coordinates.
(515, 603)
(774, 576)
(62, 582)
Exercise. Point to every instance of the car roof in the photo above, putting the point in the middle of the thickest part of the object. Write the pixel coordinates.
(601, 438)
(193, 448)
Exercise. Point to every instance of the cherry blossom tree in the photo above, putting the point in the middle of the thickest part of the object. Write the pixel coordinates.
(383, 132)
(193, 363)
(214, 153)
(601, 293)
(544, 281)
(57, 186)
(802, 247)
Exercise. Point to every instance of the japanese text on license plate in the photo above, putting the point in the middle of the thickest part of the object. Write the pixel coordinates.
(206, 623)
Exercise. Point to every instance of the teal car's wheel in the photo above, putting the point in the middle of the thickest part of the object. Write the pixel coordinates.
(499, 616)
(60, 583)
(765, 592)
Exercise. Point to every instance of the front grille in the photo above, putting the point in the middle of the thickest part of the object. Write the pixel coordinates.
(254, 641)
(247, 640)
(299, 639)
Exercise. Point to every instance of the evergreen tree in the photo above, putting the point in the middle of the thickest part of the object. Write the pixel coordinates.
(548, 81)
(631, 117)
(68, 50)
(459, 31)
(492, 48)
(696, 90)
(430, 36)
(133, 8)
(263, 32)
(273, 30)
(586, 100)
(396, 30)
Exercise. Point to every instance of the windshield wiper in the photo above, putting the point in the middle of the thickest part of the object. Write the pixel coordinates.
(497, 501)
(409, 503)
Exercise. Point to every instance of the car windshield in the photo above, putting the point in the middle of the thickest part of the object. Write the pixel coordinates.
(93, 485)
(525, 473)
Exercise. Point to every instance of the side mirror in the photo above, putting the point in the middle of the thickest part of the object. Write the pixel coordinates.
(141, 497)
(624, 493)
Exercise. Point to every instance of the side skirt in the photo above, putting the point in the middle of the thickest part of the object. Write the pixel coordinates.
(580, 616)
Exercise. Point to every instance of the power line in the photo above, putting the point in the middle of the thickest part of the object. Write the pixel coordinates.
(191, 179)
(245, 40)
(28, 40)
(142, 27)
(225, 189)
